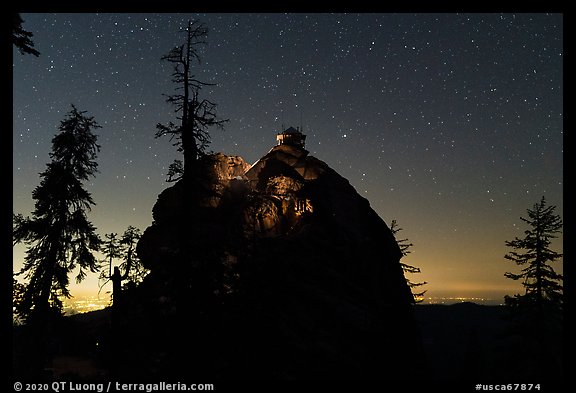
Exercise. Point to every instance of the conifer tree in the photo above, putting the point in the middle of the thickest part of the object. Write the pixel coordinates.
(17, 294)
(196, 115)
(405, 249)
(198, 248)
(541, 282)
(59, 236)
(22, 39)
(111, 251)
(537, 315)
(131, 269)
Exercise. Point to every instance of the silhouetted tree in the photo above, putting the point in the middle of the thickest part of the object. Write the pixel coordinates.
(197, 115)
(405, 249)
(175, 171)
(536, 316)
(111, 251)
(59, 235)
(21, 38)
(541, 282)
(196, 245)
(131, 269)
(17, 295)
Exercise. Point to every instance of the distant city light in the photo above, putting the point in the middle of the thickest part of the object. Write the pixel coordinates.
(84, 304)
(454, 300)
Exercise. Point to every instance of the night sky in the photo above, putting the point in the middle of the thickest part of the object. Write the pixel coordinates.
(452, 124)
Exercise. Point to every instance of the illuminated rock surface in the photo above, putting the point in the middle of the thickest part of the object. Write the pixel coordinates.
(277, 270)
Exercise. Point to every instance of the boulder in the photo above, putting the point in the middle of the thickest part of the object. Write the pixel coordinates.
(284, 272)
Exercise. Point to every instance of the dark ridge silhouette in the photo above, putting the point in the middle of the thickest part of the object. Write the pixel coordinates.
(469, 341)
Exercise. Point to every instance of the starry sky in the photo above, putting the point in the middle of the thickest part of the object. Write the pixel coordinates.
(451, 124)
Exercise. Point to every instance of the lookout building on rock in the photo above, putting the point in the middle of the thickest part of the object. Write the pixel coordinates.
(291, 137)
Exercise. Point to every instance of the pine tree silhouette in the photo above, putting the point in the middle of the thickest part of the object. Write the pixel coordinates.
(197, 115)
(405, 249)
(59, 235)
(537, 315)
(21, 38)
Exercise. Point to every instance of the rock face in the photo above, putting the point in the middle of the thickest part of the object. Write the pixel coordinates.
(278, 270)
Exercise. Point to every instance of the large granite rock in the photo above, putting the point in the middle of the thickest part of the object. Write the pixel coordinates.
(280, 270)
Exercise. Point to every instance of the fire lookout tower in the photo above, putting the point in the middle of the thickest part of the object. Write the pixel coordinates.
(292, 137)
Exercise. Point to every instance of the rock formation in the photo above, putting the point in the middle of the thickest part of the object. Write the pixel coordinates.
(280, 270)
